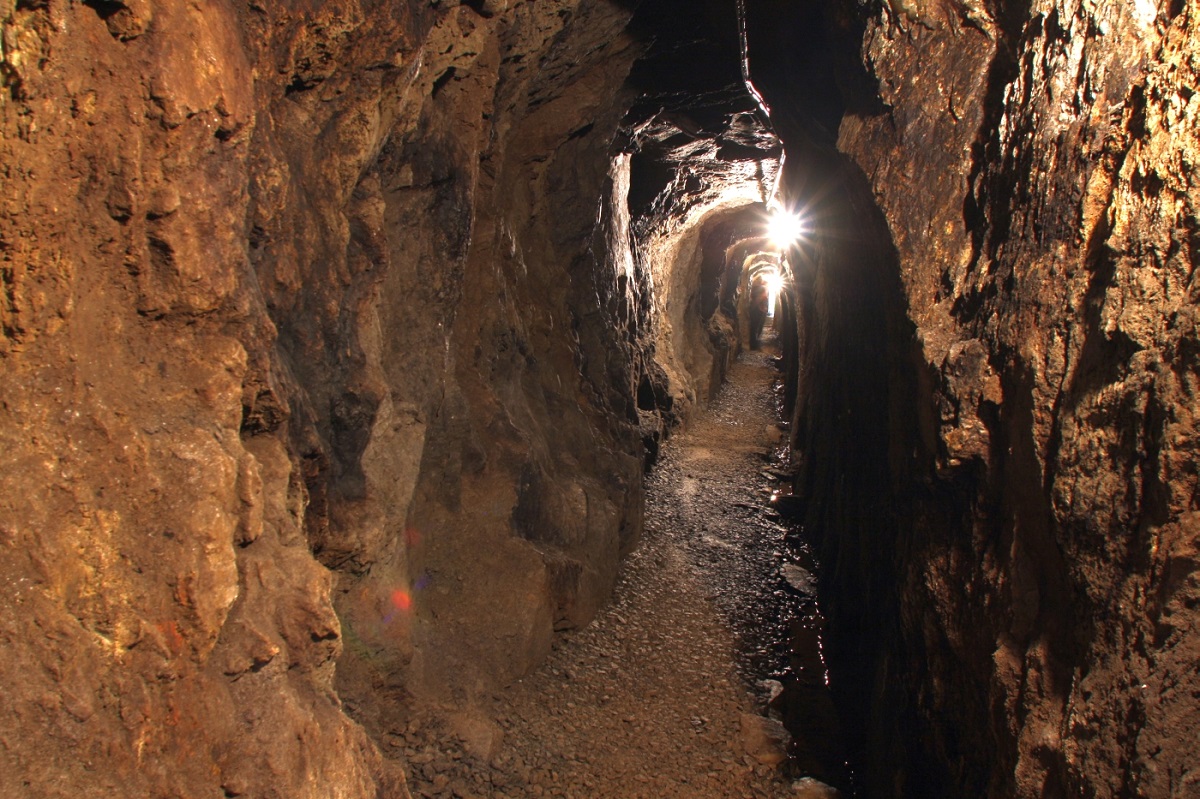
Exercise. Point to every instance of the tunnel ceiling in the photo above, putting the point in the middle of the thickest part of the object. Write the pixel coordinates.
(694, 128)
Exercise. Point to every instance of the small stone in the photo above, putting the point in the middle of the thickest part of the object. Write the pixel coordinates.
(808, 788)
(799, 578)
(163, 201)
(764, 739)
(773, 688)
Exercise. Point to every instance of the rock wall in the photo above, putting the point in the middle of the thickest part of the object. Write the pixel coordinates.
(330, 350)
(1010, 516)
(316, 369)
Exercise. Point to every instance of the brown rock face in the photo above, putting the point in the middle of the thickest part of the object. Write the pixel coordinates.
(291, 323)
(334, 334)
(163, 617)
(1010, 505)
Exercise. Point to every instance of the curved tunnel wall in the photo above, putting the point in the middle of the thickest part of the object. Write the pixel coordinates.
(699, 293)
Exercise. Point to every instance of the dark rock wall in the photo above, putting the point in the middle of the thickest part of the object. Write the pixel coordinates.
(1017, 591)
(306, 307)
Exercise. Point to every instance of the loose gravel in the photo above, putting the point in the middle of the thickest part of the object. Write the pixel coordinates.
(666, 693)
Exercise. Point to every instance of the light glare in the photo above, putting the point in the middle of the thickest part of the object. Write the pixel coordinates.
(774, 282)
(784, 228)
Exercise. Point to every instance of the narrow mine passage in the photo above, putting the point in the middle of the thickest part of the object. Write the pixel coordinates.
(664, 694)
(335, 336)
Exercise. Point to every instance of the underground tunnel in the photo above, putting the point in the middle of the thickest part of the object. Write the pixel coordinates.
(362, 358)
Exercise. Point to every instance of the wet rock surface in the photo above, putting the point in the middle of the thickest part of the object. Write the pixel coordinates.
(666, 693)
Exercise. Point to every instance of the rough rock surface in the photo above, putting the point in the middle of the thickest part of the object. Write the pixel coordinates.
(162, 617)
(332, 335)
(1008, 496)
(299, 314)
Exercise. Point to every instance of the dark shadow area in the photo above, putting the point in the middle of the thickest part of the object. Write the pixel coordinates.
(804, 59)
(691, 65)
(854, 384)
(688, 88)
(104, 8)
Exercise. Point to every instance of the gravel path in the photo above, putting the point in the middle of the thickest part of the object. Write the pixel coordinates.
(665, 694)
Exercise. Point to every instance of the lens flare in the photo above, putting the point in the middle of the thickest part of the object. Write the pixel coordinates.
(785, 228)
(402, 600)
(774, 282)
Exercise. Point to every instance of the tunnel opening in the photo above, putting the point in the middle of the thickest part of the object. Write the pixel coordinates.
(827, 281)
(708, 259)
(830, 300)
(815, 256)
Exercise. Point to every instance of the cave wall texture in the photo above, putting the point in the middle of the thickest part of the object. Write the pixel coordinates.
(314, 354)
(330, 353)
(997, 414)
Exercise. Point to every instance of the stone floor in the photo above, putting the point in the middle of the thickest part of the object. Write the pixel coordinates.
(665, 694)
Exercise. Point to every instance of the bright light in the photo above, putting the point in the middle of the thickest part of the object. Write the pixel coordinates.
(771, 280)
(774, 282)
(784, 228)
